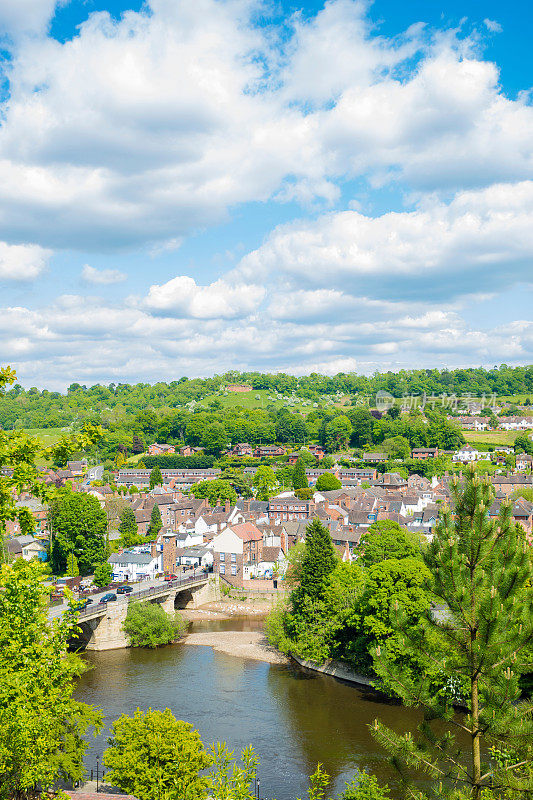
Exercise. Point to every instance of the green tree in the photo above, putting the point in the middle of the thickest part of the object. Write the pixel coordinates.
(156, 478)
(214, 438)
(215, 491)
(72, 565)
(79, 528)
(299, 478)
(156, 523)
(338, 432)
(396, 447)
(327, 482)
(317, 565)
(103, 574)
(42, 725)
(128, 528)
(523, 444)
(265, 482)
(387, 539)
(148, 625)
(152, 755)
(481, 574)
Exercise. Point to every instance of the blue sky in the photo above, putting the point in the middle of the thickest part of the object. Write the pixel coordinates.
(191, 187)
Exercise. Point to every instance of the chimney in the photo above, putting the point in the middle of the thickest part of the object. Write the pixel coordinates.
(227, 507)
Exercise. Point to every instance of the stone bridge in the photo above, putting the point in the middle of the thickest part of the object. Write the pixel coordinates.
(101, 624)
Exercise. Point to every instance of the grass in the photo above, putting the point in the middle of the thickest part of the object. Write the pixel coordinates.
(45, 436)
(260, 398)
(495, 438)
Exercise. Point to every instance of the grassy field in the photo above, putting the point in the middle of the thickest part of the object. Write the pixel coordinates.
(46, 436)
(261, 398)
(494, 438)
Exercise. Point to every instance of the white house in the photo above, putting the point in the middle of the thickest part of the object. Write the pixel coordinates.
(467, 454)
(197, 556)
(524, 461)
(134, 566)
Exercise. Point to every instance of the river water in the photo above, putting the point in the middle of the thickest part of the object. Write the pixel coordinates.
(292, 717)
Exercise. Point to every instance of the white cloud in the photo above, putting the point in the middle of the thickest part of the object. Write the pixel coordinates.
(25, 16)
(492, 26)
(182, 297)
(141, 131)
(481, 240)
(103, 276)
(22, 262)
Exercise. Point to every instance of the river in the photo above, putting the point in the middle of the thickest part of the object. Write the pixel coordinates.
(293, 718)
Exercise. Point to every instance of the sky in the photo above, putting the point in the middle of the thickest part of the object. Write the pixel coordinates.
(193, 186)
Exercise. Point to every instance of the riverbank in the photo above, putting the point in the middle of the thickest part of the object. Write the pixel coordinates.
(227, 608)
(243, 644)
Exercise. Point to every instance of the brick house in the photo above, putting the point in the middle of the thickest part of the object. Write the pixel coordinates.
(424, 452)
(375, 458)
(289, 508)
(269, 451)
(156, 449)
(236, 551)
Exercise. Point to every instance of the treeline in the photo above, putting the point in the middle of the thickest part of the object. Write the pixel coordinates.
(45, 409)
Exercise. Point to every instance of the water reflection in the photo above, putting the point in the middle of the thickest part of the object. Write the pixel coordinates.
(294, 719)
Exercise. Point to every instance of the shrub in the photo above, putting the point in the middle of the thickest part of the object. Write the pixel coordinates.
(103, 574)
(148, 625)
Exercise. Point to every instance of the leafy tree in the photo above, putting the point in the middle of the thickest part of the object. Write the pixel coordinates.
(72, 565)
(338, 432)
(215, 491)
(153, 755)
(265, 482)
(42, 725)
(128, 528)
(304, 494)
(523, 444)
(481, 573)
(214, 438)
(386, 539)
(396, 446)
(137, 445)
(156, 478)
(156, 523)
(299, 478)
(103, 574)
(327, 482)
(79, 528)
(148, 625)
(365, 785)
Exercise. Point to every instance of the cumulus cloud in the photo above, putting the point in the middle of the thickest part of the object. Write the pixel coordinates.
(142, 130)
(22, 262)
(102, 276)
(480, 240)
(182, 297)
(19, 17)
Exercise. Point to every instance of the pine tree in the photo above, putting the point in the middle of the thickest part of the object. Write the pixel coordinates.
(317, 565)
(473, 652)
(299, 478)
(128, 528)
(137, 445)
(156, 522)
(156, 478)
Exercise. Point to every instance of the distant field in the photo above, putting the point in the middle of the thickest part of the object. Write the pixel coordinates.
(257, 398)
(46, 436)
(505, 438)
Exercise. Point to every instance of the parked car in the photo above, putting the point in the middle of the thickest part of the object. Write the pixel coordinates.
(125, 590)
(171, 577)
(107, 598)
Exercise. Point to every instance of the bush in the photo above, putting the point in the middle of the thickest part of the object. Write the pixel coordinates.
(148, 625)
(327, 482)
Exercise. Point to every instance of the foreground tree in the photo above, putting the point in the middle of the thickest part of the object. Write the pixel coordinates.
(153, 755)
(156, 523)
(482, 576)
(42, 725)
(79, 527)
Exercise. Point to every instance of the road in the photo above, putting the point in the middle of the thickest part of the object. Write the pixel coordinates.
(57, 611)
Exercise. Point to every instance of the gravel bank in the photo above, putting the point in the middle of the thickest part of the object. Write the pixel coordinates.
(243, 644)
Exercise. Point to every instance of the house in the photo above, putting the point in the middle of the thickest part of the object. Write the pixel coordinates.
(471, 423)
(269, 451)
(131, 565)
(375, 458)
(156, 449)
(516, 423)
(242, 450)
(425, 452)
(271, 558)
(290, 508)
(236, 548)
(77, 468)
(524, 461)
(466, 454)
(197, 556)
(27, 547)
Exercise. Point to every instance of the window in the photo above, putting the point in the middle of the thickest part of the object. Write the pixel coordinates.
(222, 557)
(222, 569)
(233, 558)
(233, 569)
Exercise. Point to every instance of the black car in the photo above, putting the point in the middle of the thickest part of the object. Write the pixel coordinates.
(125, 590)
(84, 603)
(107, 598)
